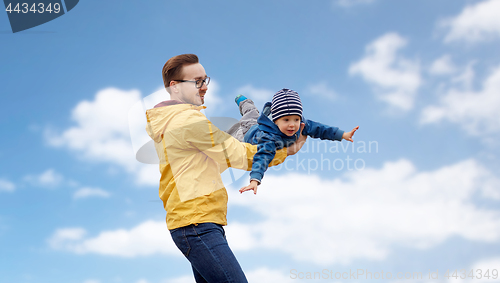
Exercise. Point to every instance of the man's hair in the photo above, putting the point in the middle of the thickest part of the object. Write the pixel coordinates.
(172, 70)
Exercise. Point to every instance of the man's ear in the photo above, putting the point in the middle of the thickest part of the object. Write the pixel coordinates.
(173, 86)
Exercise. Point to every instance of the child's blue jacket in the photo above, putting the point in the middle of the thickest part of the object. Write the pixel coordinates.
(268, 138)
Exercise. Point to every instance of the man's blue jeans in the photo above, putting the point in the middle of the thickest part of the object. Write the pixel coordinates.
(205, 246)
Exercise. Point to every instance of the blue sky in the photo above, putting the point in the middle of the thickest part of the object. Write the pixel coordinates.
(418, 191)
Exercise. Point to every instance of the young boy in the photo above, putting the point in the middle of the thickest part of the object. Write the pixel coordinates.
(278, 126)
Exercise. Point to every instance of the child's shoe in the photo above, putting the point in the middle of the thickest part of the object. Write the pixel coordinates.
(239, 99)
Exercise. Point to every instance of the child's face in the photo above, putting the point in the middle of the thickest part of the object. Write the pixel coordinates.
(288, 125)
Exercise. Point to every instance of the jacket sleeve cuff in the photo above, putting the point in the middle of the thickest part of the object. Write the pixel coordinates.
(258, 181)
(338, 135)
(256, 176)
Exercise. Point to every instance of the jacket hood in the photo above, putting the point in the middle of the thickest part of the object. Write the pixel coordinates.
(163, 114)
(266, 124)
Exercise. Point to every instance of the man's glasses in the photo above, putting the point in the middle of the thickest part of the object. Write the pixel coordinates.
(198, 83)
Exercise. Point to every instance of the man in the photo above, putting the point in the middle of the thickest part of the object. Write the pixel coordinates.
(193, 153)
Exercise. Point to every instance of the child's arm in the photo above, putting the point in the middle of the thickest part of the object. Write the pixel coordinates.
(320, 131)
(324, 132)
(254, 183)
(266, 150)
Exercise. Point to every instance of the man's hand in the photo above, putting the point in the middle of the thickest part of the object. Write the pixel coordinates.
(294, 148)
(253, 186)
(348, 135)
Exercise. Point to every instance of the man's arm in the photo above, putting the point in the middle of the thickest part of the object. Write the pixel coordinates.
(222, 147)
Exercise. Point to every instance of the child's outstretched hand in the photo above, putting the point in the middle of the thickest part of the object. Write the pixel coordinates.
(252, 186)
(348, 135)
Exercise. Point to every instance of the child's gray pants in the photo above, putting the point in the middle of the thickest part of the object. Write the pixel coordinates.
(250, 116)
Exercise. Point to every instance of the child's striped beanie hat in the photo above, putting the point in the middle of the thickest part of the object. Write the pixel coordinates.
(286, 102)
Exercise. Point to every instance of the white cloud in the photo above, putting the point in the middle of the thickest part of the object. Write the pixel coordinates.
(395, 79)
(101, 132)
(258, 95)
(442, 66)
(90, 192)
(465, 78)
(322, 91)
(61, 236)
(350, 3)
(367, 213)
(363, 215)
(477, 22)
(6, 186)
(491, 190)
(147, 238)
(49, 178)
(107, 130)
(478, 112)
(91, 281)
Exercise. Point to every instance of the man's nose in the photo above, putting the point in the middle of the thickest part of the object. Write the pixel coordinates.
(204, 86)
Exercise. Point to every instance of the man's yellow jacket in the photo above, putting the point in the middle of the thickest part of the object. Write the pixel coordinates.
(193, 153)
